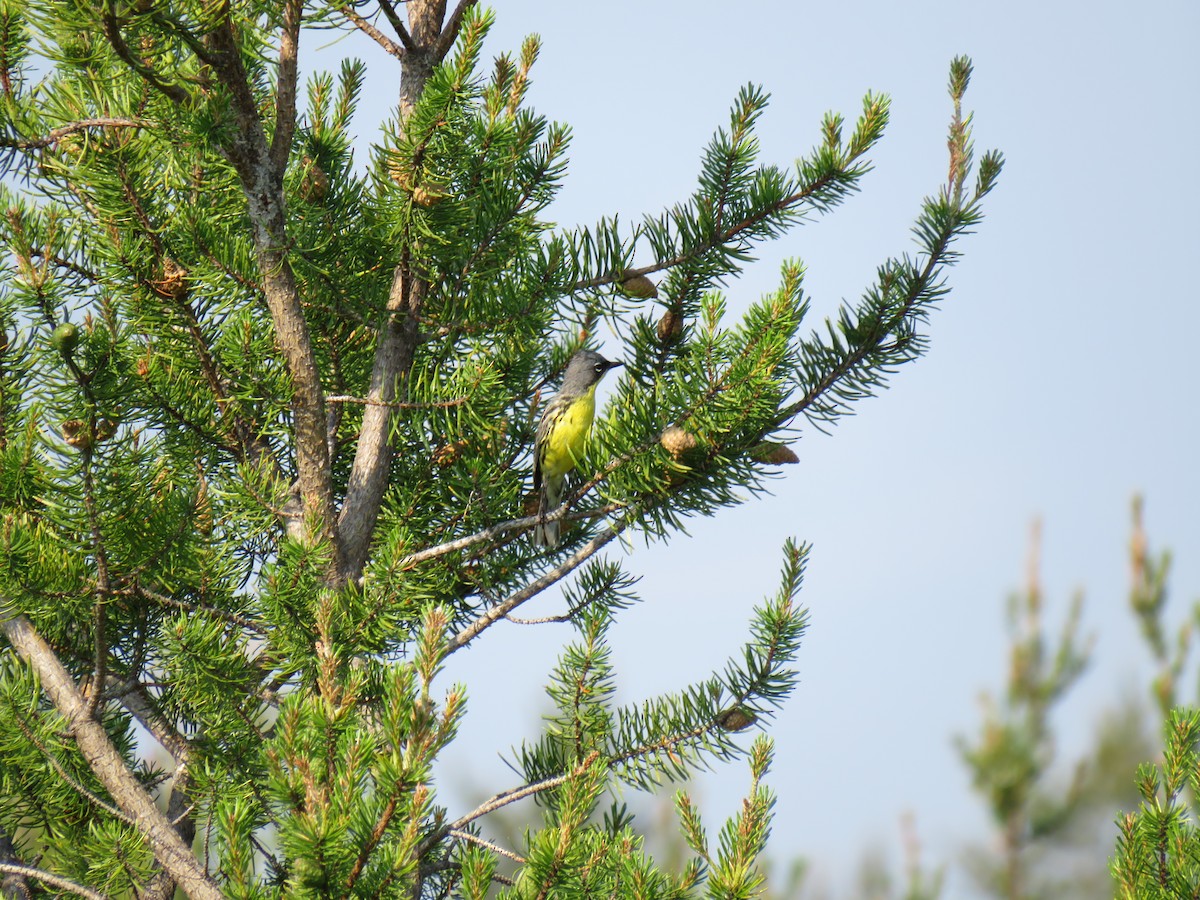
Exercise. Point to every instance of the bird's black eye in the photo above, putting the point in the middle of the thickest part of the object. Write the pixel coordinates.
(599, 368)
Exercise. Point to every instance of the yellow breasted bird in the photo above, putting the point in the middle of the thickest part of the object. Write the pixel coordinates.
(562, 435)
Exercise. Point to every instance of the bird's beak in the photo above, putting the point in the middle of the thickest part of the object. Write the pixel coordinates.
(615, 365)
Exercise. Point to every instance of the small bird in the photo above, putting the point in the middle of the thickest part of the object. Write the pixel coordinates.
(562, 434)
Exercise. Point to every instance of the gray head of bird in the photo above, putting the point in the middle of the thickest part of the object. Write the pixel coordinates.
(585, 369)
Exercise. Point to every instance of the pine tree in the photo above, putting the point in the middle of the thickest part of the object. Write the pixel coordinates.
(265, 434)
(1157, 852)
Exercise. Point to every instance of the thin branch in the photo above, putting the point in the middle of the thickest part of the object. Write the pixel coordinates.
(64, 263)
(504, 798)
(372, 32)
(396, 404)
(230, 617)
(397, 24)
(112, 30)
(450, 33)
(544, 620)
(285, 90)
(103, 583)
(106, 762)
(133, 697)
(52, 137)
(564, 617)
(476, 839)
(502, 528)
(372, 841)
(66, 776)
(56, 881)
(535, 587)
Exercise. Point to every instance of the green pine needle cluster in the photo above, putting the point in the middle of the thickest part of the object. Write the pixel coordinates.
(1158, 848)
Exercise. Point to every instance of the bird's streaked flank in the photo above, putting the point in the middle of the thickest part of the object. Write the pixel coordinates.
(562, 435)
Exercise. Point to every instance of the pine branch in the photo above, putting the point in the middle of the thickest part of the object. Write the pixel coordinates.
(233, 618)
(285, 85)
(890, 339)
(112, 30)
(367, 482)
(811, 192)
(248, 444)
(261, 173)
(104, 760)
(66, 776)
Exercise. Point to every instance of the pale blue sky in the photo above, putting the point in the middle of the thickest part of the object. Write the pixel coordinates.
(1062, 378)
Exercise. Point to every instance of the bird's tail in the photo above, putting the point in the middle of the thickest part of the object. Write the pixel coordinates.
(545, 534)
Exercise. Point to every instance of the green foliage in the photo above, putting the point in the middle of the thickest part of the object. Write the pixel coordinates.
(187, 491)
(1158, 849)
(1010, 762)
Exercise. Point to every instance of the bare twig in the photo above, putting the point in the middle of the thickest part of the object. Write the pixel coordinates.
(395, 404)
(371, 31)
(224, 615)
(501, 528)
(461, 835)
(504, 798)
(52, 137)
(56, 881)
(389, 12)
(535, 587)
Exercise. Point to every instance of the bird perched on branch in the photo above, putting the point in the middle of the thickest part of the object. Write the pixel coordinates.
(562, 435)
